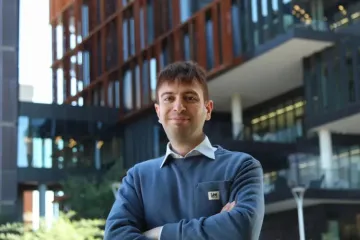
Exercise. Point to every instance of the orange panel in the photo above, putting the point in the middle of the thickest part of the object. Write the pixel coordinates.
(57, 7)
(27, 207)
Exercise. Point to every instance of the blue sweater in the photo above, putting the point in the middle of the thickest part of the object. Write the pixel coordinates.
(186, 196)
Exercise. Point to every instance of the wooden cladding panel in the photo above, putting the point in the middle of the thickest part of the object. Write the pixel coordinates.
(57, 7)
(188, 40)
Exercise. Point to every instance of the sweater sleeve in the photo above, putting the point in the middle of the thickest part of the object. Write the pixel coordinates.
(243, 222)
(126, 218)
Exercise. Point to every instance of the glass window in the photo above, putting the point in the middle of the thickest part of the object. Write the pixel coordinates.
(102, 95)
(125, 39)
(73, 80)
(282, 123)
(86, 68)
(117, 93)
(71, 27)
(210, 58)
(24, 148)
(153, 80)
(138, 86)
(185, 10)
(235, 24)
(145, 82)
(85, 20)
(150, 21)
(164, 55)
(127, 91)
(81, 101)
(186, 46)
(110, 92)
(132, 36)
(60, 86)
(142, 29)
(59, 41)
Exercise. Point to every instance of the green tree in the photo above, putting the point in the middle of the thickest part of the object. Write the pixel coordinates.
(92, 197)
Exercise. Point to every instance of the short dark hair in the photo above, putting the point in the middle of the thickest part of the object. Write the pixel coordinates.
(186, 72)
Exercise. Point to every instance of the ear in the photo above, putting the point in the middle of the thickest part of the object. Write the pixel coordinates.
(209, 106)
(157, 109)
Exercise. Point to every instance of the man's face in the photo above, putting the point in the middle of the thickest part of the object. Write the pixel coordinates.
(182, 109)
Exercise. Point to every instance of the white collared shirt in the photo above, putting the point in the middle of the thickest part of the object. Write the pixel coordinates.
(204, 148)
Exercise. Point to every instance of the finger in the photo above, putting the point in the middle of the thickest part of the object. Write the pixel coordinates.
(232, 205)
(225, 208)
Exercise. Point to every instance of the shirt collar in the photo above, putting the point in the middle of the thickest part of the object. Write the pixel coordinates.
(204, 148)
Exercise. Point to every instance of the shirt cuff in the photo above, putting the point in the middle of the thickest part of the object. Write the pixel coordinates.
(160, 233)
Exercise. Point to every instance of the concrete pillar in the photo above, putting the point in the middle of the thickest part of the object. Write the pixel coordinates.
(42, 200)
(236, 115)
(326, 153)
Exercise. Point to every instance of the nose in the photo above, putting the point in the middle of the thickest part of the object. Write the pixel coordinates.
(179, 106)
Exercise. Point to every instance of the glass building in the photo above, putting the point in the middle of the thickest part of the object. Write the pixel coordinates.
(284, 76)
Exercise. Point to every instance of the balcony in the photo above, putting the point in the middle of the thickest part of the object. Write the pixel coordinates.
(340, 185)
(332, 88)
(270, 55)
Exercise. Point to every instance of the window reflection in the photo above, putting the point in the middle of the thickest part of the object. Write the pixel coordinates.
(153, 80)
(60, 86)
(283, 123)
(145, 82)
(209, 43)
(150, 26)
(46, 143)
(127, 91)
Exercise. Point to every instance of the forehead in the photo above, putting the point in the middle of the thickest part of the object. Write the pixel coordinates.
(180, 86)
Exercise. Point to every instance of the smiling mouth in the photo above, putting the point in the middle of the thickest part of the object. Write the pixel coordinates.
(179, 119)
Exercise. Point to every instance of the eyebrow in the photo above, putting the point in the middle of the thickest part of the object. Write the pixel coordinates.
(187, 92)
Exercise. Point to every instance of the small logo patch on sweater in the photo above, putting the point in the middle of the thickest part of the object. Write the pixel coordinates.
(215, 195)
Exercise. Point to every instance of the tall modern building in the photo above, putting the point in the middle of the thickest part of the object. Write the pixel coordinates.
(284, 75)
(9, 20)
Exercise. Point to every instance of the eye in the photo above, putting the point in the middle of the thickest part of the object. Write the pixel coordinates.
(191, 98)
(168, 98)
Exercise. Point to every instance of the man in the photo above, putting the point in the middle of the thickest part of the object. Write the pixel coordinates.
(196, 191)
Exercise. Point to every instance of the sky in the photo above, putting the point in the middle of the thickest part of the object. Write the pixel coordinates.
(35, 48)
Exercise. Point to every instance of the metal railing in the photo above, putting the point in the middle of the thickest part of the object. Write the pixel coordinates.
(312, 178)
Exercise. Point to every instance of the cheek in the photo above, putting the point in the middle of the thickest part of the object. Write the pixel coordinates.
(163, 113)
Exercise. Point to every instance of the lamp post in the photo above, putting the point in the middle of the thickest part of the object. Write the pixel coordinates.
(298, 193)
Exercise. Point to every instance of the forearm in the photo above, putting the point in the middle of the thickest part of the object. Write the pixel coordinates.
(117, 230)
(243, 222)
(231, 225)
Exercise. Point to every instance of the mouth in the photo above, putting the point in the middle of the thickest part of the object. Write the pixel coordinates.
(179, 120)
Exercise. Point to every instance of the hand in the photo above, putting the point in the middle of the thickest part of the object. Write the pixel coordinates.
(153, 234)
(228, 207)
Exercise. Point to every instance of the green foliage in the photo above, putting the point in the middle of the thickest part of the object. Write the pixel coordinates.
(92, 198)
(11, 231)
(64, 228)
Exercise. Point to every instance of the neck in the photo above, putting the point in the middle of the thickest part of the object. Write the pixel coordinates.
(183, 147)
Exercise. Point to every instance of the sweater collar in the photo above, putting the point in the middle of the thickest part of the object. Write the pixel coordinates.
(204, 148)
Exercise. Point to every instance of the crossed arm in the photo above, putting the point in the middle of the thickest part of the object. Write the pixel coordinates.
(243, 221)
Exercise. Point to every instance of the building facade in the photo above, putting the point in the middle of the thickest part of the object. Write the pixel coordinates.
(284, 76)
(9, 14)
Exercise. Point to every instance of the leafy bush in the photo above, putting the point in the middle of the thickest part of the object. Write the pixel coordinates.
(92, 197)
(63, 228)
